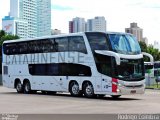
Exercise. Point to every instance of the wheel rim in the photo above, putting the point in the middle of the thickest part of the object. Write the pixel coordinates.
(89, 90)
(19, 87)
(75, 89)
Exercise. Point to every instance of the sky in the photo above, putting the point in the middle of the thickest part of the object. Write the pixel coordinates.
(118, 13)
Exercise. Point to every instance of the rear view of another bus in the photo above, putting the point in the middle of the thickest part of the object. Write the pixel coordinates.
(157, 70)
(149, 73)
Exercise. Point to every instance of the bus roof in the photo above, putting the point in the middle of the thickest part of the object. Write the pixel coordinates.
(60, 35)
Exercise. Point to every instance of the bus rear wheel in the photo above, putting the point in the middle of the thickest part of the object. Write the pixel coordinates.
(88, 90)
(27, 87)
(74, 89)
(19, 87)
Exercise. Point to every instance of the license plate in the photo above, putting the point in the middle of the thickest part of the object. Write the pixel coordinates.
(133, 91)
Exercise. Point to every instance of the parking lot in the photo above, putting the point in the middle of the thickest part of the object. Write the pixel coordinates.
(12, 102)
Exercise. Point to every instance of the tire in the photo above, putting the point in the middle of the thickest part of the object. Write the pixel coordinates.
(19, 87)
(34, 92)
(74, 89)
(101, 96)
(115, 96)
(27, 87)
(51, 92)
(88, 90)
(44, 92)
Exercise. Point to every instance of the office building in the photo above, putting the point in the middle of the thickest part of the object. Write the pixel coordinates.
(96, 24)
(90, 25)
(70, 26)
(55, 32)
(37, 14)
(136, 31)
(145, 40)
(77, 25)
(15, 26)
(43, 17)
(156, 45)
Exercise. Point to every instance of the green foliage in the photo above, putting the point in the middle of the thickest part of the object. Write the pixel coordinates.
(143, 46)
(8, 37)
(151, 50)
(4, 36)
(2, 33)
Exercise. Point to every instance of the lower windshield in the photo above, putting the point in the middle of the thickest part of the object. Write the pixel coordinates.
(124, 44)
(130, 70)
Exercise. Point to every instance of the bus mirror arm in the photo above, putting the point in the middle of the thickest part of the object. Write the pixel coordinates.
(110, 53)
(150, 57)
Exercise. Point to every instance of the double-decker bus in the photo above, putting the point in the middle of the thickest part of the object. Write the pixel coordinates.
(88, 64)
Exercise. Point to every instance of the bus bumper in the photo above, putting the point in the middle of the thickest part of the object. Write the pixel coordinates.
(128, 88)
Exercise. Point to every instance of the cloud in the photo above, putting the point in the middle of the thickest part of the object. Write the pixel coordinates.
(60, 8)
(145, 4)
(118, 13)
(4, 10)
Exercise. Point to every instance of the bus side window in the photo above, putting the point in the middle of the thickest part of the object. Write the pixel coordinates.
(76, 43)
(6, 49)
(98, 41)
(61, 44)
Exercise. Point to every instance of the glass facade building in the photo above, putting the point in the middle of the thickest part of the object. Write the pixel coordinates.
(37, 14)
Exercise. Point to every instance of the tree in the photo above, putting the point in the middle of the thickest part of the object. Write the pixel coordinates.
(143, 46)
(8, 37)
(4, 36)
(2, 33)
(151, 50)
(154, 52)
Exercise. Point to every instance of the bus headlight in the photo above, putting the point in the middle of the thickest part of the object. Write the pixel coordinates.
(118, 84)
(115, 83)
(118, 90)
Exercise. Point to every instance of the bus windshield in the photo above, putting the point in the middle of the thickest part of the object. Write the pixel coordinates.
(124, 44)
(130, 70)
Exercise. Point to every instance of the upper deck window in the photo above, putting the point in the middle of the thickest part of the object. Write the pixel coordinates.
(98, 41)
(59, 44)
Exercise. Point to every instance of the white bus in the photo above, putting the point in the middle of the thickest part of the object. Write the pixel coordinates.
(89, 64)
(149, 73)
(152, 72)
